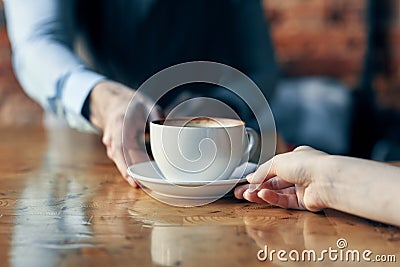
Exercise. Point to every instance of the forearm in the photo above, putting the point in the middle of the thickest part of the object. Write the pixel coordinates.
(365, 188)
(44, 61)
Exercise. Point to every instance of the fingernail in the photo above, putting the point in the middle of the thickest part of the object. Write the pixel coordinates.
(249, 177)
(238, 195)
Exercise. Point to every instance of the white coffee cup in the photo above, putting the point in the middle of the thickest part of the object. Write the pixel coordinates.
(202, 148)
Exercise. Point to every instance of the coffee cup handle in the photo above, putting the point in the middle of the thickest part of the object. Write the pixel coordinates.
(254, 140)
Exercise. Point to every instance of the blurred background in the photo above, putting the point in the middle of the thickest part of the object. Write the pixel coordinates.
(15, 107)
(330, 38)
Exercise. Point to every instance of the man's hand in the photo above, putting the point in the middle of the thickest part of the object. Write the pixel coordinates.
(108, 111)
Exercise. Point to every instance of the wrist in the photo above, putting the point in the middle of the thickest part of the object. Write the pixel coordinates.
(329, 180)
(99, 102)
(106, 98)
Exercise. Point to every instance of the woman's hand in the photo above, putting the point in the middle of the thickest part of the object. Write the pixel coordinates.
(109, 112)
(292, 180)
(312, 180)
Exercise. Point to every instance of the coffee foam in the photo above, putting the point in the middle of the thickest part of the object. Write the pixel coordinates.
(203, 122)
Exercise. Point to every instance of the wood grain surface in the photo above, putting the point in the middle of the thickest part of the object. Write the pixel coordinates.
(63, 203)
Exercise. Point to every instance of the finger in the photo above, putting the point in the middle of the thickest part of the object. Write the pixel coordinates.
(303, 148)
(122, 166)
(134, 146)
(263, 172)
(286, 190)
(116, 154)
(135, 149)
(252, 196)
(253, 189)
(239, 190)
(288, 201)
(106, 139)
(285, 166)
(277, 183)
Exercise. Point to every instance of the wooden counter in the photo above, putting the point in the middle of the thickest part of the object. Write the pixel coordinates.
(63, 203)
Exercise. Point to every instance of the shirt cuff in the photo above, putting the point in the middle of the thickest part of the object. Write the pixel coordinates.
(77, 87)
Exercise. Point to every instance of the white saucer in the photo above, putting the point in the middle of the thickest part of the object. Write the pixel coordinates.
(149, 176)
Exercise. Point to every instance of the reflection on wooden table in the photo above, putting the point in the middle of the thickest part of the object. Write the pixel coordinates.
(62, 202)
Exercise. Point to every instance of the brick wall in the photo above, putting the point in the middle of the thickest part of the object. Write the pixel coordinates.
(314, 37)
(311, 37)
(327, 37)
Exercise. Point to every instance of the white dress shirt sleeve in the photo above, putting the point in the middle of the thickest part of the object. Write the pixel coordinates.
(45, 64)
